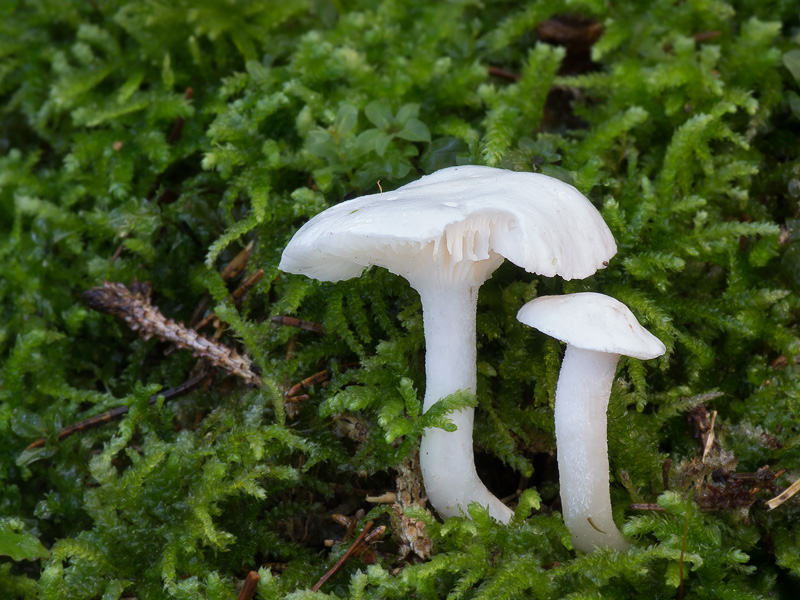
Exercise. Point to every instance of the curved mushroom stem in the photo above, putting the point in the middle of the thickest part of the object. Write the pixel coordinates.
(446, 458)
(584, 387)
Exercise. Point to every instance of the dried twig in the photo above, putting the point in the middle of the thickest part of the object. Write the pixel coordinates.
(177, 128)
(385, 498)
(298, 323)
(232, 270)
(503, 74)
(784, 496)
(121, 411)
(249, 586)
(134, 307)
(319, 377)
(236, 296)
(683, 551)
(358, 546)
(646, 506)
(710, 439)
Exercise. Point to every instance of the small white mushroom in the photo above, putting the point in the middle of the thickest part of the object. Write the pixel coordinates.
(446, 234)
(597, 330)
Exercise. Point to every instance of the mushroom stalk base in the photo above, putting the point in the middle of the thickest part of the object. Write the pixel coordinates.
(446, 458)
(584, 387)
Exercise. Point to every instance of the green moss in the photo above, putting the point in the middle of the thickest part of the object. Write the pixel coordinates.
(154, 141)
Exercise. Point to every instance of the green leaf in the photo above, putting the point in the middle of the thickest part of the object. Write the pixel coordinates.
(791, 60)
(19, 545)
(379, 113)
(371, 140)
(346, 120)
(406, 112)
(444, 152)
(415, 131)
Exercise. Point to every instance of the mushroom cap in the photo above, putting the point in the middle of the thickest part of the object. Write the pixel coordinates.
(462, 213)
(592, 321)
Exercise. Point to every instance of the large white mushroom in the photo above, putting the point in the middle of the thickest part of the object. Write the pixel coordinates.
(446, 234)
(597, 330)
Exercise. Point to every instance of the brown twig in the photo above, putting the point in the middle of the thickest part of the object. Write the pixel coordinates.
(177, 128)
(351, 552)
(121, 411)
(249, 586)
(503, 74)
(646, 506)
(785, 495)
(134, 307)
(298, 323)
(683, 551)
(229, 272)
(234, 268)
(236, 296)
(297, 388)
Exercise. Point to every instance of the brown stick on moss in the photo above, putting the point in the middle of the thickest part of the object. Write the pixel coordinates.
(134, 307)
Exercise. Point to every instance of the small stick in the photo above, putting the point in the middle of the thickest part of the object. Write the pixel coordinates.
(236, 296)
(503, 74)
(706, 35)
(308, 382)
(298, 398)
(784, 496)
(120, 411)
(710, 438)
(237, 265)
(298, 323)
(319, 377)
(646, 506)
(177, 129)
(683, 551)
(135, 309)
(230, 271)
(351, 551)
(249, 586)
(385, 498)
(595, 527)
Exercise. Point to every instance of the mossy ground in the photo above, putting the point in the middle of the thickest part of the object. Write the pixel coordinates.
(153, 141)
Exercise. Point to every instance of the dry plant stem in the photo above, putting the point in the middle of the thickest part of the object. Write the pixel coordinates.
(232, 270)
(298, 388)
(121, 411)
(582, 394)
(236, 296)
(177, 128)
(503, 73)
(784, 496)
(446, 458)
(135, 309)
(710, 438)
(249, 586)
(298, 323)
(237, 265)
(646, 506)
(351, 552)
(683, 550)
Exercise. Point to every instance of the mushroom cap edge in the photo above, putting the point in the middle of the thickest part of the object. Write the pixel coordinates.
(324, 250)
(591, 321)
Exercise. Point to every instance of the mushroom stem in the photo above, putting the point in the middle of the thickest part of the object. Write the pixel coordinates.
(584, 387)
(446, 458)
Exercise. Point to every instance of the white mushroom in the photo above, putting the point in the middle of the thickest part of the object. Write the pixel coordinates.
(597, 330)
(446, 234)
